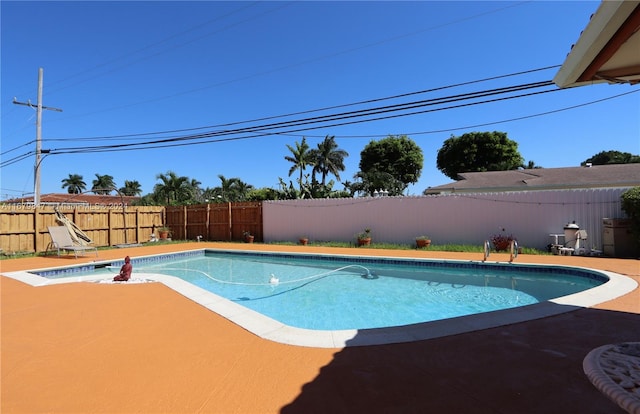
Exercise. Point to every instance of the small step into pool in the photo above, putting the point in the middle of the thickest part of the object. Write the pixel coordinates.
(307, 292)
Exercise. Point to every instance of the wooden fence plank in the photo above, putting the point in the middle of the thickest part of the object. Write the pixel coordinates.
(219, 222)
(25, 229)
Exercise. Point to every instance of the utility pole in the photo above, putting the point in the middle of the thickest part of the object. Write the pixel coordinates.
(39, 108)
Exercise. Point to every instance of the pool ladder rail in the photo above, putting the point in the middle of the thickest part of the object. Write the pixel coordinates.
(513, 248)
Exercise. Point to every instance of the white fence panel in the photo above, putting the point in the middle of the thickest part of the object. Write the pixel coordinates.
(452, 218)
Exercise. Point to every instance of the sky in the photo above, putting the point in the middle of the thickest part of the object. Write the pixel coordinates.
(211, 88)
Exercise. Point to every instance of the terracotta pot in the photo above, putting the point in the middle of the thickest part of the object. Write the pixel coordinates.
(423, 243)
(364, 241)
(304, 241)
(163, 235)
(248, 239)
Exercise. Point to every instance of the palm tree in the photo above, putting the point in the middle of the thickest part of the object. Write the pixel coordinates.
(242, 189)
(103, 184)
(173, 189)
(74, 184)
(227, 189)
(328, 159)
(196, 191)
(131, 188)
(301, 158)
(212, 195)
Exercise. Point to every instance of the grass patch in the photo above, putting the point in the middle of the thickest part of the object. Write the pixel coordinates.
(463, 248)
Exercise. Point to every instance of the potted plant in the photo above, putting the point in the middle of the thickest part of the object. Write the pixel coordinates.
(364, 238)
(502, 241)
(248, 237)
(423, 241)
(164, 233)
(304, 240)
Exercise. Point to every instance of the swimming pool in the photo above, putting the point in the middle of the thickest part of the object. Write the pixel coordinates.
(323, 293)
(335, 301)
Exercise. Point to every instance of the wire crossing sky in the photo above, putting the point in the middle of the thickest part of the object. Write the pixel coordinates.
(210, 87)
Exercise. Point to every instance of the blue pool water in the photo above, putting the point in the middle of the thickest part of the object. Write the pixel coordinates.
(330, 293)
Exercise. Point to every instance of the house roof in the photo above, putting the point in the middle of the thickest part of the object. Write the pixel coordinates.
(597, 176)
(607, 49)
(76, 199)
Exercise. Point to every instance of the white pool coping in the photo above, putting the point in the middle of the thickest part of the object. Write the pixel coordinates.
(270, 329)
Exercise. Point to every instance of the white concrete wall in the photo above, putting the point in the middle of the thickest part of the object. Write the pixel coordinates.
(456, 218)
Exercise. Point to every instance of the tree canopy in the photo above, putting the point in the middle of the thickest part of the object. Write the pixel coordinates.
(611, 157)
(131, 188)
(391, 164)
(74, 184)
(173, 189)
(301, 157)
(328, 159)
(478, 152)
(231, 189)
(103, 184)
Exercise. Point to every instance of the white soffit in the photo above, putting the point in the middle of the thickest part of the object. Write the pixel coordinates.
(608, 49)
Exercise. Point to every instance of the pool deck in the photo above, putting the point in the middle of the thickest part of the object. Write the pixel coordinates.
(143, 348)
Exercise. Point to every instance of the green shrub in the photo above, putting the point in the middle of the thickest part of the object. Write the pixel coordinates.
(631, 206)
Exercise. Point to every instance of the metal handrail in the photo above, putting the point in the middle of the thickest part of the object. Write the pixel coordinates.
(487, 250)
(513, 248)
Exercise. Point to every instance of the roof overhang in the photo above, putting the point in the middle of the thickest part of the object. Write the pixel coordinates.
(608, 49)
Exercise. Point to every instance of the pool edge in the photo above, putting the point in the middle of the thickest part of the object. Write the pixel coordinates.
(272, 330)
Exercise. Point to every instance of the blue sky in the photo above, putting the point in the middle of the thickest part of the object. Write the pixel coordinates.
(134, 72)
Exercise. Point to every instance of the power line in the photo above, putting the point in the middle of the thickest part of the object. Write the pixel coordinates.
(567, 108)
(298, 123)
(176, 141)
(15, 148)
(362, 102)
(18, 158)
(304, 121)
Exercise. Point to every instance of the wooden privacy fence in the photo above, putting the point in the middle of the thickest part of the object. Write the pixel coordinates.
(215, 222)
(24, 228)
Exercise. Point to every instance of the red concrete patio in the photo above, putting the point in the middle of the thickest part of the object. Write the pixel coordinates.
(143, 348)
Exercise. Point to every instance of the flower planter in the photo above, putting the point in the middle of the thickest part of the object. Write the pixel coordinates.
(304, 241)
(421, 243)
(248, 239)
(364, 241)
(502, 246)
(502, 241)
